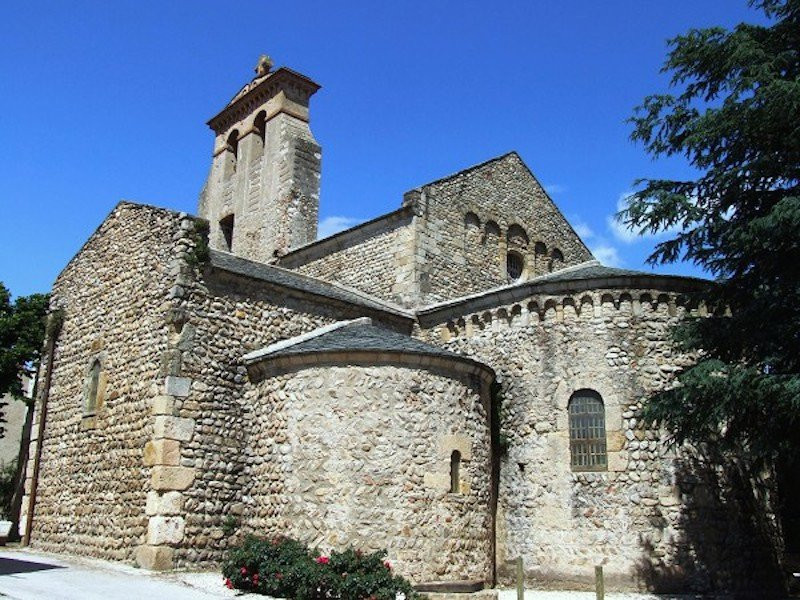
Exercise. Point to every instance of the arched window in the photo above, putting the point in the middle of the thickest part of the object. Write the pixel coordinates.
(455, 468)
(92, 385)
(260, 125)
(587, 431)
(556, 259)
(232, 154)
(516, 236)
(491, 232)
(540, 258)
(226, 227)
(515, 265)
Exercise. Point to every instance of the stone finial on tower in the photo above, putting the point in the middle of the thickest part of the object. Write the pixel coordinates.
(262, 195)
(264, 65)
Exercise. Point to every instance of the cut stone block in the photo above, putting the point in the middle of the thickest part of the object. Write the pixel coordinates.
(163, 405)
(165, 530)
(174, 428)
(162, 452)
(155, 558)
(169, 503)
(177, 386)
(172, 478)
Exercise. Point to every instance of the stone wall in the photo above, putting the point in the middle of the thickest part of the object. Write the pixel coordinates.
(376, 257)
(219, 317)
(470, 221)
(452, 238)
(91, 490)
(363, 453)
(629, 517)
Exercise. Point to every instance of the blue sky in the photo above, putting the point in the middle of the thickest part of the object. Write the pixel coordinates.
(103, 101)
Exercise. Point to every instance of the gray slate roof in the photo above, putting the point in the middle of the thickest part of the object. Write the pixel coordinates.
(298, 281)
(356, 335)
(591, 271)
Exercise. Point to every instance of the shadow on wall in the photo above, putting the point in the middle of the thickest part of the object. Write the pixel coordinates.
(728, 540)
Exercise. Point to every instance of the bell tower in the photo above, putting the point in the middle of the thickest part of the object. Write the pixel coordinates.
(261, 197)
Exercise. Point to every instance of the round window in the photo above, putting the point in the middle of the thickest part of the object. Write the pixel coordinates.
(514, 266)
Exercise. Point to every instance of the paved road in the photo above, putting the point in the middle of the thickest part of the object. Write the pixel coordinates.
(37, 576)
(33, 576)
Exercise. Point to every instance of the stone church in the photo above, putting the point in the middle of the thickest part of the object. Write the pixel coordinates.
(457, 381)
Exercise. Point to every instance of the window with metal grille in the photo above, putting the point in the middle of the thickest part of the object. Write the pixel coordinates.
(587, 431)
(514, 266)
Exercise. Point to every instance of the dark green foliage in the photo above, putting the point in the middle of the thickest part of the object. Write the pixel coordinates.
(498, 419)
(285, 568)
(229, 525)
(735, 117)
(7, 486)
(22, 330)
(201, 253)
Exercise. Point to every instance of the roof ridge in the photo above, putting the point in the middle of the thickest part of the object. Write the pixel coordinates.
(471, 168)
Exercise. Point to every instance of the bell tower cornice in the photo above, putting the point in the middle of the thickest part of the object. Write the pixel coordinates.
(282, 91)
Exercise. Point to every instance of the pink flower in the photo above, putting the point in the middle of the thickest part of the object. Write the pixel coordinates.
(255, 579)
(388, 565)
(228, 584)
(323, 560)
(243, 571)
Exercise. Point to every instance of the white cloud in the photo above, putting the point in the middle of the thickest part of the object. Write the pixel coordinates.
(624, 234)
(607, 254)
(330, 225)
(583, 230)
(555, 188)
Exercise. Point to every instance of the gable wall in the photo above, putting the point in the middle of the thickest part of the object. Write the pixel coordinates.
(376, 258)
(92, 485)
(457, 258)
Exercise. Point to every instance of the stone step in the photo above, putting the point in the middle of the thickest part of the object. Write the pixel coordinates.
(481, 595)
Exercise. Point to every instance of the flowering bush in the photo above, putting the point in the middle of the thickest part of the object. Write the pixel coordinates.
(286, 568)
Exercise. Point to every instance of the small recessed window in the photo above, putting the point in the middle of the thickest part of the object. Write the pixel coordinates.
(90, 403)
(226, 226)
(514, 266)
(455, 468)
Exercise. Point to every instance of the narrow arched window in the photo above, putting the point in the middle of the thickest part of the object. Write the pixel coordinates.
(540, 261)
(260, 126)
(556, 259)
(587, 431)
(226, 227)
(232, 153)
(515, 265)
(455, 475)
(92, 385)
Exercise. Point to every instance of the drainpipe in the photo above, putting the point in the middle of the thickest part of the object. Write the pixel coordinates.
(53, 330)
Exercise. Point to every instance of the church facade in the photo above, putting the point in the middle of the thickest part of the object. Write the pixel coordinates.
(457, 381)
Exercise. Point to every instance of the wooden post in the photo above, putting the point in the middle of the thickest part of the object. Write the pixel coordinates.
(520, 580)
(599, 585)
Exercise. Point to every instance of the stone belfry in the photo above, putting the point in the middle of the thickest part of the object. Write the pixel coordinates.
(261, 197)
